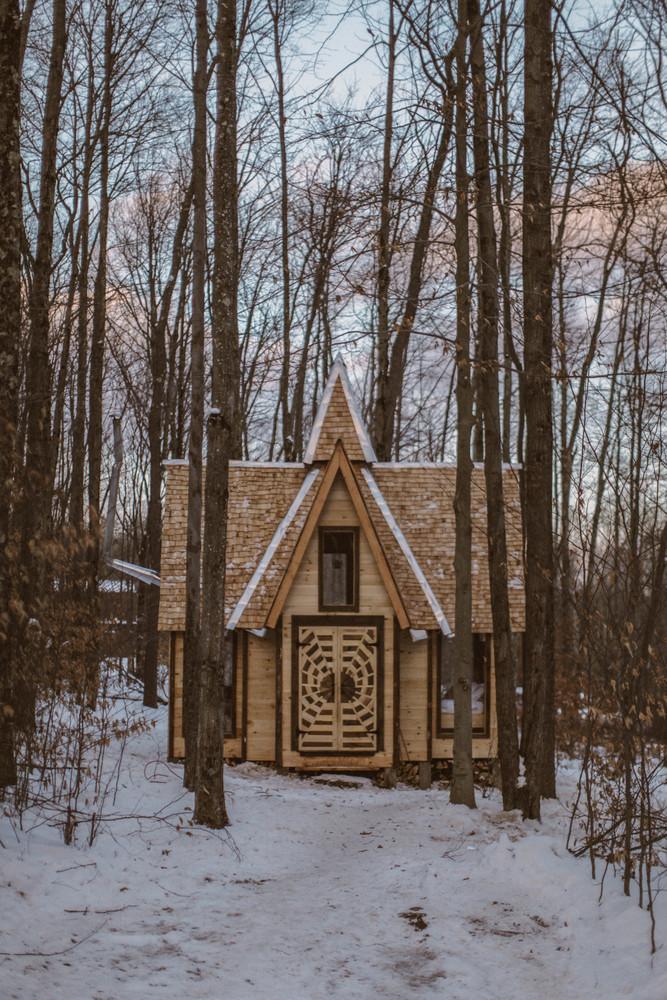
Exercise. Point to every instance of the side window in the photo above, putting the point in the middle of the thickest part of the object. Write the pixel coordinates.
(339, 569)
(229, 692)
(481, 651)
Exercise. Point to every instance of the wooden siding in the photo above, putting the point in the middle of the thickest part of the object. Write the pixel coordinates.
(261, 706)
(302, 599)
(176, 741)
(413, 724)
(486, 747)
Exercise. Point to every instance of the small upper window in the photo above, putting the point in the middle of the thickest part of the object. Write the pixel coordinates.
(338, 569)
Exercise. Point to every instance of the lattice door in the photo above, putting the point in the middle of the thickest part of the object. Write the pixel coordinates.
(337, 688)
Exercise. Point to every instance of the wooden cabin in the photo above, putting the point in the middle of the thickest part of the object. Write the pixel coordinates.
(339, 597)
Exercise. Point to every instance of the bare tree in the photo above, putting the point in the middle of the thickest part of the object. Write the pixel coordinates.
(10, 328)
(223, 438)
(538, 719)
(463, 788)
(193, 542)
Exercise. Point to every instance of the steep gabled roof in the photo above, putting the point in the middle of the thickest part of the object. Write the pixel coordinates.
(338, 419)
(406, 511)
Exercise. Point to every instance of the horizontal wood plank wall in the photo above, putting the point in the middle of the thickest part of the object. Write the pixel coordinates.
(483, 748)
(261, 704)
(373, 600)
(413, 742)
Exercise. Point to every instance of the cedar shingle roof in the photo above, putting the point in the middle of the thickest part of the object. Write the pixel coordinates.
(420, 498)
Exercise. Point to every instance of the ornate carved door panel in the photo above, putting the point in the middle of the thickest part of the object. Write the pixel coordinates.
(337, 678)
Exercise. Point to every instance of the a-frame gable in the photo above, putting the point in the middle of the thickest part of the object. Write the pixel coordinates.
(338, 419)
(339, 463)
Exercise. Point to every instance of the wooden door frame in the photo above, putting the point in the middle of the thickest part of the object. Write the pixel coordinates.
(376, 621)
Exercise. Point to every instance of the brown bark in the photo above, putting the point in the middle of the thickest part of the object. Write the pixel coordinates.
(383, 447)
(100, 293)
(463, 787)
(222, 432)
(37, 506)
(287, 414)
(158, 362)
(537, 278)
(10, 328)
(508, 748)
(79, 423)
(193, 540)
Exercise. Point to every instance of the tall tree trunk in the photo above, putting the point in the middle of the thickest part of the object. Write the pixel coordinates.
(158, 359)
(96, 367)
(223, 436)
(10, 328)
(37, 509)
(79, 423)
(100, 291)
(508, 747)
(463, 787)
(36, 500)
(537, 278)
(193, 541)
(382, 445)
(287, 413)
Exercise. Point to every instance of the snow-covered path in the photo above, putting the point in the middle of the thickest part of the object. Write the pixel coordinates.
(328, 892)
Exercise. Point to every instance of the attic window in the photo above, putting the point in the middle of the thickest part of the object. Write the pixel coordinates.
(339, 569)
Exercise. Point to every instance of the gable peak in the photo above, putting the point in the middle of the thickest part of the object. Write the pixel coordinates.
(338, 418)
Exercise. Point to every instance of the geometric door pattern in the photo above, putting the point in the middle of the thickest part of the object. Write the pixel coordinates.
(337, 675)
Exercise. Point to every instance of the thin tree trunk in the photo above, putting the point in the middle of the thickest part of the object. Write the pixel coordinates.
(537, 279)
(463, 787)
(10, 329)
(99, 295)
(287, 414)
(96, 368)
(158, 358)
(382, 446)
(193, 541)
(508, 747)
(37, 507)
(223, 436)
(79, 423)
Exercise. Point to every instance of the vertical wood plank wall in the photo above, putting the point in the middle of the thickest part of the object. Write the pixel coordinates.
(261, 732)
(443, 749)
(373, 600)
(413, 736)
(177, 742)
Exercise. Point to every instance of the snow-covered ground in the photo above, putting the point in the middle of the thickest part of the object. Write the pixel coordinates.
(319, 892)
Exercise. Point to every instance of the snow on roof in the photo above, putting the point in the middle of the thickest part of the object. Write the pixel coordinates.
(138, 572)
(270, 550)
(383, 506)
(339, 371)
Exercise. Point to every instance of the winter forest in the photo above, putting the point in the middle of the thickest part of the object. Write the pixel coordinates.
(202, 204)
